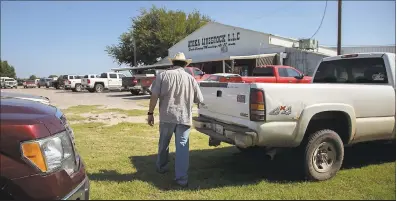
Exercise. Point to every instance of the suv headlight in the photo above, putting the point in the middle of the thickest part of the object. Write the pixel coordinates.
(51, 153)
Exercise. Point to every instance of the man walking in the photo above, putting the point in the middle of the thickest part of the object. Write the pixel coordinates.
(177, 91)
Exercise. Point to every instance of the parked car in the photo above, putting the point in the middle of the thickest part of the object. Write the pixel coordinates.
(224, 77)
(30, 84)
(60, 82)
(73, 82)
(106, 81)
(44, 82)
(276, 74)
(142, 81)
(85, 79)
(351, 99)
(7, 82)
(38, 157)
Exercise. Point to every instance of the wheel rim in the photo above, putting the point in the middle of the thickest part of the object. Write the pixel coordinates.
(78, 88)
(99, 88)
(324, 157)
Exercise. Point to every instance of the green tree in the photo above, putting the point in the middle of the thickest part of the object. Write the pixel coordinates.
(32, 77)
(51, 76)
(154, 31)
(7, 70)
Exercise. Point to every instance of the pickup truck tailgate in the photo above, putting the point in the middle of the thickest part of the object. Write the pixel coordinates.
(231, 99)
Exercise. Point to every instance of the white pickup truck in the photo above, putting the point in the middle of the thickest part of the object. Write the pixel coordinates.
(109, 81)
(73, 82)
(350, 100)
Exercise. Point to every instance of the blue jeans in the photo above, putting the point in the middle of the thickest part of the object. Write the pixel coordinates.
(182, 149)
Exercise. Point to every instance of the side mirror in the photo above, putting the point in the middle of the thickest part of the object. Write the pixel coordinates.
(300, 76)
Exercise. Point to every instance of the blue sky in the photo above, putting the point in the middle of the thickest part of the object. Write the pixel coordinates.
(69, 37)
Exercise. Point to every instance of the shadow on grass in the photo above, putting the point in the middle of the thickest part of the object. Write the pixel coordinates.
(228, 167)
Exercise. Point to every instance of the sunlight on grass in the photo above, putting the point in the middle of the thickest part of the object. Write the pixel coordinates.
(121, 159)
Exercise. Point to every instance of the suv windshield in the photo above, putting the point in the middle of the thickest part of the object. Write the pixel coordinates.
(360, 70)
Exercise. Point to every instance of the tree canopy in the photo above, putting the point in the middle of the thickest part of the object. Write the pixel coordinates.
(7, 70)
(154, 31)
(32, 77)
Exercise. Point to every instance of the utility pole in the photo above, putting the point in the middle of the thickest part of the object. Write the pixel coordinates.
(134, 53)
(339, 27)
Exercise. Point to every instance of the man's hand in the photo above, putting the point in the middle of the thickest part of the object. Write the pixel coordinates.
(150, 120)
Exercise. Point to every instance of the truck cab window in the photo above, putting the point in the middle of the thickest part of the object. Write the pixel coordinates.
(70, 77)
(104, 75)
(86, 76)
(291, 72)
(264, 72)
(360, 71)
(282, 72)
(197, 72)
(113, 75)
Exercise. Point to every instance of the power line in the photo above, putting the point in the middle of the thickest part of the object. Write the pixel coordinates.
(321, 23)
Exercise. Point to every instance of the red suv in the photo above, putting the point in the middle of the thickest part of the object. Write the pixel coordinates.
(38, 157)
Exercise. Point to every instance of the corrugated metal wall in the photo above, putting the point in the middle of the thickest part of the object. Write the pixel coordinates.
(304, 61)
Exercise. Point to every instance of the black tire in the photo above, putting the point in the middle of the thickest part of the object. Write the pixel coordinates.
(47, 86)
(78, 88)
(99, 88)
(134, 92)
(328, 141)
(38, 86)
(91, 90)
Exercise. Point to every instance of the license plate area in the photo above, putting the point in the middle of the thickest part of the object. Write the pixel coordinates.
(241, 98)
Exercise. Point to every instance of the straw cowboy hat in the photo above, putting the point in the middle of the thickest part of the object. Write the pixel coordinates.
(181, 57)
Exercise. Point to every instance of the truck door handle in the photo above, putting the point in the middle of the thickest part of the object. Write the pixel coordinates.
(218, 93)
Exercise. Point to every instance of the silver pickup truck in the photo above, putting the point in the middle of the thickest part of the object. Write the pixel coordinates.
(8, 83)
(352, 99)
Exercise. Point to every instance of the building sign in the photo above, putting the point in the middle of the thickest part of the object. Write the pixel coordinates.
(220, 41)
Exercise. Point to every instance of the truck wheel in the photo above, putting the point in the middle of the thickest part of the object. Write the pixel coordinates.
(46, 86)
(99, 88)
(78, 87)
(135, 92)
(323, 155)
(38, 86)
(91, 90)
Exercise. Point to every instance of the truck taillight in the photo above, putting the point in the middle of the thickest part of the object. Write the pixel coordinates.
(134, 81)
(70, 82)
(257, 105)
(88, 81)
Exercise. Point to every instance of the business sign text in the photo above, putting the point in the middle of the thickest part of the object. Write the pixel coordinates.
(214, 41)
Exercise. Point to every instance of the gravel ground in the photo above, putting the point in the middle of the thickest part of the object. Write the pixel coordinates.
(65, 99)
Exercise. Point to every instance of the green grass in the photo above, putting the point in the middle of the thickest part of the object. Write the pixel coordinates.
(96, 109)
(121, 159)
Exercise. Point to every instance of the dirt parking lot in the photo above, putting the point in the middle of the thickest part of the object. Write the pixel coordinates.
(66, 98)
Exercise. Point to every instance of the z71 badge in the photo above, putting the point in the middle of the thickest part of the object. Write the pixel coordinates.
(281, 110)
